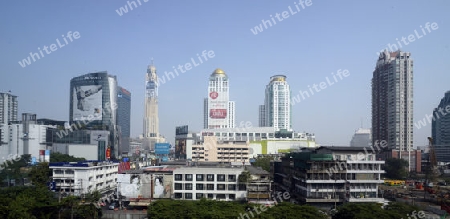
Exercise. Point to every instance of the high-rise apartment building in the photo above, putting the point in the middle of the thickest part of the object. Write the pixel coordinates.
(392, 100)
(218, 109)
(277, 110)
(123, 118)
(93, 105)
(8, 108)
(151, 118)
(440, 129)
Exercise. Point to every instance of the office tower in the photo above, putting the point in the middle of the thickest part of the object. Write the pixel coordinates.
(361, 138)
(218, 109)
(277, 109)
(123, 118)
(93, 105)
(8, 108)
(392, 101)
(440, 129)
(262, 117)
(151, 119)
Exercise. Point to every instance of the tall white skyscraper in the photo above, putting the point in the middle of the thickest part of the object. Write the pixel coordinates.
(8, 108)
(392, 101)
(151, 118)
(277, 110)
(218, 109)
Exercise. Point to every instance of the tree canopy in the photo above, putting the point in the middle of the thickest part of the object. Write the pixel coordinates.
(206, 209)
(396, 168)
(394, 210)
(263, 162)
(58, 157)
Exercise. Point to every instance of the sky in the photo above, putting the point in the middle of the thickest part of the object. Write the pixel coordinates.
(307, 45)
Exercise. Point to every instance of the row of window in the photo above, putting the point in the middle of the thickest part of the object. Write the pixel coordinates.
(202, 195)
(201, 177)
(198, 186)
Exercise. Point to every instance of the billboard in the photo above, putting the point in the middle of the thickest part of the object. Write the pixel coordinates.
(41, 155)
(87, 102)
(181, 130)
(218, 113)
(180, 149)
(162, 148)
(162, 186)
(47, 156)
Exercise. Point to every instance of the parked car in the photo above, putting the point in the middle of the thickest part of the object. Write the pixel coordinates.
(113, 205)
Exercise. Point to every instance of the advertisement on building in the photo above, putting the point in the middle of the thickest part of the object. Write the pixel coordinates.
(181, 130)
(162, 186)
(162, 148)
(135, 186)
(180, 148)
(87, 102)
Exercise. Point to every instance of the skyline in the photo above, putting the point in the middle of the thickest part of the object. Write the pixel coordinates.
(320, 39)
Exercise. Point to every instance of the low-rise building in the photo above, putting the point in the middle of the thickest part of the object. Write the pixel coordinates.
(78, 178)
(330, 176)
(259, 185)
(213, 150)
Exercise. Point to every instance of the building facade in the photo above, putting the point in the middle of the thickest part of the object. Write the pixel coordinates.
(151, 117)
(93, 105)
(219, 111)
(8, 108)
(329, 176)
(218, 183)
(277, 109)
(78, 178)
(361, 138)
(224, 151)
(123, 118)
(440, 129)
(392, 100)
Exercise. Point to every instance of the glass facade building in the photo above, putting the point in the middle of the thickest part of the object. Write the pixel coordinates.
(93, 105)
(123, 118)
(440, 129)
(277, 109)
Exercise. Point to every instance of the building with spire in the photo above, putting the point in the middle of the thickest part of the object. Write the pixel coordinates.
(218, 109)
(151, 117)
(277, 109)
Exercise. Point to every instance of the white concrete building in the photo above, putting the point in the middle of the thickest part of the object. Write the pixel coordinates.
(361, 138)
(8, 108)
(79, 178)
(219, 183)
(277, 108)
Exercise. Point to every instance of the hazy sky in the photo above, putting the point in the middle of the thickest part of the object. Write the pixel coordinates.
(307, 47)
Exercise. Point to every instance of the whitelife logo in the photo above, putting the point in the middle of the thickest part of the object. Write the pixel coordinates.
(53, 47)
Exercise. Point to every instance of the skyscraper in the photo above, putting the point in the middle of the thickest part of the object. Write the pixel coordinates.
(123, 118)
(218, 109)
(93, 105)
(151, 118)
(361, 138)
(277, 110)
(440, 129)
(392, 101)
(8, 108)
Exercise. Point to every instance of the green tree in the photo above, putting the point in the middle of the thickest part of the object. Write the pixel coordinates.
(40, 174)
(373, 211)
(396, 168)
(263, 162)
(58, 157)
(13, 169)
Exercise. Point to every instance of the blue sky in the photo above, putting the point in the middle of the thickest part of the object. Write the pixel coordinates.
(307, 47)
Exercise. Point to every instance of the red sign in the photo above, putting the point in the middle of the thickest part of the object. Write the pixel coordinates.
(108, 153)
(218, 113)
(213, 95)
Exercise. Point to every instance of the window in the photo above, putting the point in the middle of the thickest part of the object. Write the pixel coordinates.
(220, 196)
(188, 186)
(210, 196)
(210, 186)
(220, 186)
(231, 187)
(232, 196)
(187, 195)
(221, 177)
(188, 177)
(178, 186)
(231, 178)
(198, 195)
(199, 186)
(210, 177)
(178, 195)
(200, 177)
(178, 177)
